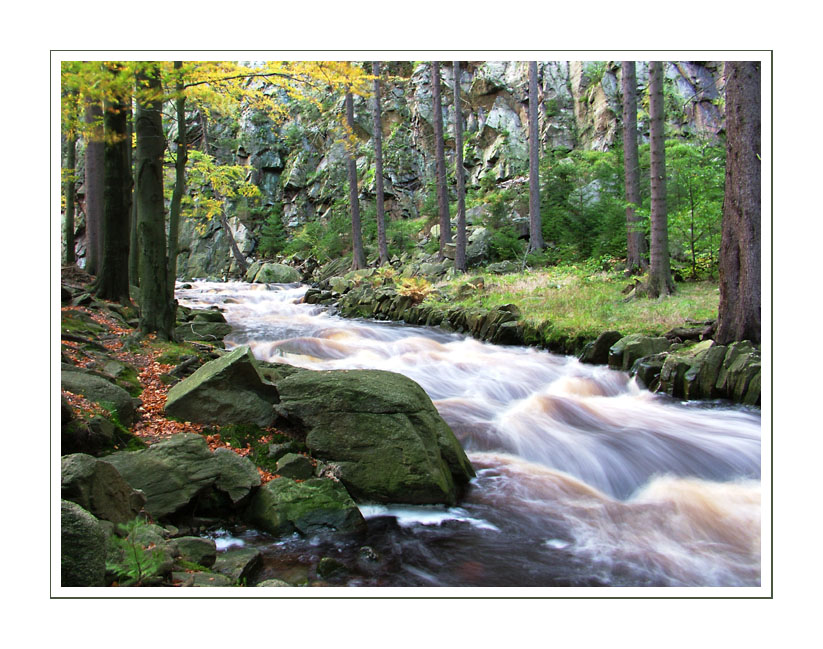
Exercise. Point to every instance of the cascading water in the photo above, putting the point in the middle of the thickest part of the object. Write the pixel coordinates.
(583, 478)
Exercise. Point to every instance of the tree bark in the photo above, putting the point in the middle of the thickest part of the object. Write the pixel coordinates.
(378, 168)
(358, 256)
(459, 172)
(440, 156)
(635, 239)
(660, 276)
(156, 304)
(179, 180)
(535, 224)
(69, 189)
(113, 280)
(94, 186)
(739, 311)
(134, 256)
(235, 249)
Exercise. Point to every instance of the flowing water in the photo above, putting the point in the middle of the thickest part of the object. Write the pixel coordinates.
(583, 479)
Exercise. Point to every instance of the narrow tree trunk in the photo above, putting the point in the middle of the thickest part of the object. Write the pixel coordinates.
(636, 240)
(459, 172)
(113, 280)
(156, 304)
(94, 186)
(440, 156)
(235, 249)
(660, 277)
(179, 180)
(535, 223)
(134, 255)
(358, 256)
(69, 188)
(739, 312)
(378, 168)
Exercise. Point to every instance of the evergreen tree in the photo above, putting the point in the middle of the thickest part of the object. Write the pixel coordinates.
(70, 190)
(660, 276)
(739, 312)
(358, 256)
(460, 174)
(635, 239)
(378, 168)
(94, 184)
(535, 225)
(440, 155)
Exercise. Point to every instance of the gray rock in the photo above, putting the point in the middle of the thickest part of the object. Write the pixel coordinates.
(293, 465)
(597, 352)
(383, 432)
(97, 486)
(172, 472)
(628, 349)
(82, 547)
(316, 506)
(97, 389)
(197, 550)
(271, 273)
(238, 564)
(228, 390)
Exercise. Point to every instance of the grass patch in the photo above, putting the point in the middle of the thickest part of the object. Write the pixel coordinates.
(581, 303)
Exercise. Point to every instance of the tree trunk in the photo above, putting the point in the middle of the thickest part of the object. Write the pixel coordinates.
(156, 304)
(660, 276)
(113, 280)
(459, 172)
(238, 255)
(69, 188)
(635, 240)
(94, 186)
(358, 256)
(739, 312)
(535, 224)
(378, 168)
(134, 256)
(440, 156)
(179, 180)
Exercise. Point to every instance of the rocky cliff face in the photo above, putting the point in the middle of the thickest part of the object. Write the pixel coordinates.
(301, 163)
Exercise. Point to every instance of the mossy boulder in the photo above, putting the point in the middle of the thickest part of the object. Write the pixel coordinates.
(381, 430)
(205, 331)
(99, 390)
(628, 349)
(678, 365)
(271, 273)
(172, 473)
(284, 506)
(82, 547)
(196, 549)
(228, 390)
(97, 486)
(597, 351)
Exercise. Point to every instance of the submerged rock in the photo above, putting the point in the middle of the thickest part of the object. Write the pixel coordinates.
(381, 430)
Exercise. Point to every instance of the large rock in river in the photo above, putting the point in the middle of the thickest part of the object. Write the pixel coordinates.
(228, 390)
(381, 430)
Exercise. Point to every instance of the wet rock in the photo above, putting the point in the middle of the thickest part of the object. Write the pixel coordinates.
(272, 273)
(201, 579)
(202, 331)
(274, 583)
(196, 549)
(597, 351)
(319, 505)
(239, 564)
(628, 349)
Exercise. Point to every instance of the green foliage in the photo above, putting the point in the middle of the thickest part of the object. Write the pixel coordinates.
(136, 563)
(273, 234)
(696, 177)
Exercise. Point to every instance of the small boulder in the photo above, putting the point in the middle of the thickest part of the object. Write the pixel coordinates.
(97, 486)
(82, 547)
(238, 564)
(296, 466)
(597, 351)
(628, 349)
(319, 505)
(196, 549)
(271, 273)
(97, 389)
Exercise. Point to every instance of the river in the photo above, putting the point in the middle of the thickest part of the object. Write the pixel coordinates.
(583, 479)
